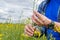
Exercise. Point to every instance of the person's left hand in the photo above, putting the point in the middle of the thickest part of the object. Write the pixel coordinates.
(40, 19)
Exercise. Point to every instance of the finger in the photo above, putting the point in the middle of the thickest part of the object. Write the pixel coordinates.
(34, 28)
(39, 21)
(31, 27)
(35, 21)
(38, 15)
(29, 34)
(35, 18)
(28, 30)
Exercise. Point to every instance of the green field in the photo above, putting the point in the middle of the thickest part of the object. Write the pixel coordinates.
(15, 32)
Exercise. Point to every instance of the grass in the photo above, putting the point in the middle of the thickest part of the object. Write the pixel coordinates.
(15, 32)
(10, 31)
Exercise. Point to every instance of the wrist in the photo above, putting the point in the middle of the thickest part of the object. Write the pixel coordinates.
(49, 22)
(51, 25)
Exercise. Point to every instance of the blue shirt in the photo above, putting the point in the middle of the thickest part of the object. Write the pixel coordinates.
(51, 12)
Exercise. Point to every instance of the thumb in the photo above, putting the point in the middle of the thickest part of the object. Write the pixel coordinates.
(34, 28)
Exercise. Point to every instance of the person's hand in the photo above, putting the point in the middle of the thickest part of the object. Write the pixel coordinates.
(40, 19)
(29, 30)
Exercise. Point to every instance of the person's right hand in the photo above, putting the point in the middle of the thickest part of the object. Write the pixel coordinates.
(29, 30)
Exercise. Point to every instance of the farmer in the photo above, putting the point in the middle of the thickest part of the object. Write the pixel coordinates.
(50, 21)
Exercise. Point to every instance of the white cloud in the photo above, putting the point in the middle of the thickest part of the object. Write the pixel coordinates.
(15, 8)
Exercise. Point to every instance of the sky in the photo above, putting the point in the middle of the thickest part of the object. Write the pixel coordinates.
(16, 10)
